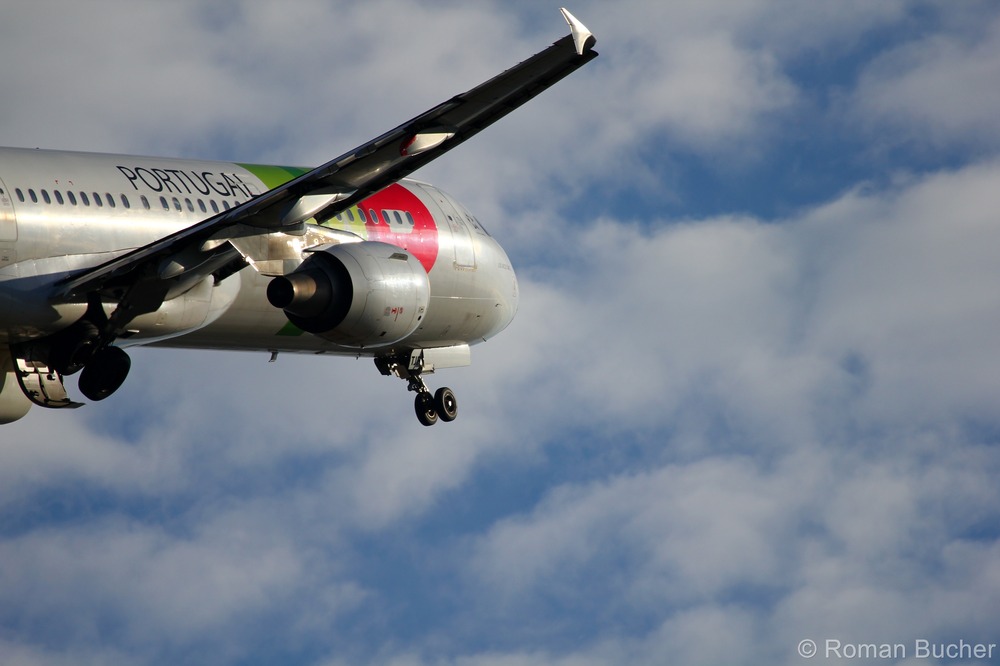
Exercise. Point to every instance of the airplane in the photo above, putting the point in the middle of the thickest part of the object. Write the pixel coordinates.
(99, 253)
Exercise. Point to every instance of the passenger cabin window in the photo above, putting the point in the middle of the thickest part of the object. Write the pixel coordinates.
(20, 195)
(144, 200)
(45, 197)
(125, 202)
(59, 197)
(84, 198)
(110, 199)
(97, 200)
(215, 206)
(71, 197)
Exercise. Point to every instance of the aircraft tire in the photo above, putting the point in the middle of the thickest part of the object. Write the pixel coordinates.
(446, 404)
(104, 373)
(424, 407)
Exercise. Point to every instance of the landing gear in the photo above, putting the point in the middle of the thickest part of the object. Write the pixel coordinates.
(424, 406)
(85, 345)
(429, 407)
(104, 373)
(442, 405)
(42, 365)
(446, 404)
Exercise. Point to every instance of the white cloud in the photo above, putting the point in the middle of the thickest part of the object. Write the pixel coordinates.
(934, 91)
(712, 437)
(872, 477)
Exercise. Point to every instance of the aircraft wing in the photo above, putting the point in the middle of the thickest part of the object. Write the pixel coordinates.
(142, 278)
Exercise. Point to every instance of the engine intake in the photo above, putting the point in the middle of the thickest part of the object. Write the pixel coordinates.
(366, 294)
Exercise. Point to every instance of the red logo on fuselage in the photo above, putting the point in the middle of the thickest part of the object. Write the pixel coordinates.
(395, 215)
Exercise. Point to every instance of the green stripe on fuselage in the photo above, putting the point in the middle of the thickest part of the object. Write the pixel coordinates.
(273, 176)
(290, 329)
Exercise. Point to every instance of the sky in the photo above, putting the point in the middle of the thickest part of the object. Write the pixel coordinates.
(751, 398)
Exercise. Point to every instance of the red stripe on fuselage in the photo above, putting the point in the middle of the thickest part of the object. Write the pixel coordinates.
(421, 240)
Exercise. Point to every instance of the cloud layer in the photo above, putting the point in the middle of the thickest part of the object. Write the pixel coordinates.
(705, 438)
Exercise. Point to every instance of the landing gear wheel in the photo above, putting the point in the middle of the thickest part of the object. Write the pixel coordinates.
(73, 347)
(104, 373)
(424, 406)
(446, 404)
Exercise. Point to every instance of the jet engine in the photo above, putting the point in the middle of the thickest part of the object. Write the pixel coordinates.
(362, 295)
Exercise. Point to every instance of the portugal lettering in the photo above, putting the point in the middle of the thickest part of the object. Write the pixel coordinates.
(180, 181)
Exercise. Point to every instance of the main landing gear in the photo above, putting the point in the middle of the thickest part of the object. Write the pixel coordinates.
(42, 365)
(102, 374)
(429, 407)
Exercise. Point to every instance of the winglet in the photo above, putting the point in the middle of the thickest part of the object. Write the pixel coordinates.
(583, 38)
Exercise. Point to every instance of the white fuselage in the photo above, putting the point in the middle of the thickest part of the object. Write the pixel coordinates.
(63, 211)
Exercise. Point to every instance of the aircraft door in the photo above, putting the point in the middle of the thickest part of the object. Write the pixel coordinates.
(463, 244)
(8, 226)
(465, 250)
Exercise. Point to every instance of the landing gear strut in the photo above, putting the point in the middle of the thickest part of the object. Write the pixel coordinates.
(429, 407)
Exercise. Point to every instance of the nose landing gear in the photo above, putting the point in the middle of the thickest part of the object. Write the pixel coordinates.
(429, 407)
(423, 405)
(446, 403)
(442, 405)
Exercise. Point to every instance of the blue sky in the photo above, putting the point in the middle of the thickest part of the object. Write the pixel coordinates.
(750, 398)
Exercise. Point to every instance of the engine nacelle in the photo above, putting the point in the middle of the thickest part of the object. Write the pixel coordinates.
(362, 295)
